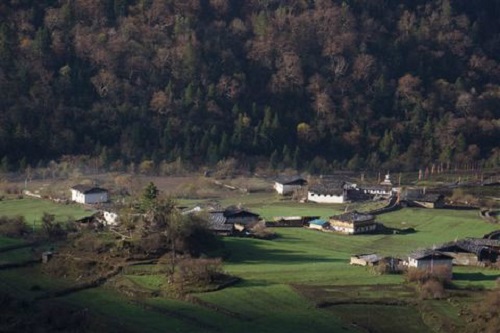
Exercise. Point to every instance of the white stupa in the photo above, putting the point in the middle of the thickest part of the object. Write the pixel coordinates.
(387, 180)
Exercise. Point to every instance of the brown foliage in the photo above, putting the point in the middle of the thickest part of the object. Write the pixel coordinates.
(13, 227)
(199, 271)
(432, 289)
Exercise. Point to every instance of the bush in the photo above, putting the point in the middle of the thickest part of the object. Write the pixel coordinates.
(440, 274)
(14, 226)
(261, 231)
(432, 289)
(199, 271)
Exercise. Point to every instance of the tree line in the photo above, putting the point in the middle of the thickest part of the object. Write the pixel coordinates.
(352, 84)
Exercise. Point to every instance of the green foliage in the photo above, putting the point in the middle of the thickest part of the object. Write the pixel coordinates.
(149, 196)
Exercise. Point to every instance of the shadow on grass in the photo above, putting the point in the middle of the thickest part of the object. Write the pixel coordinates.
(474, 277)
(254, 252)
(246, 283)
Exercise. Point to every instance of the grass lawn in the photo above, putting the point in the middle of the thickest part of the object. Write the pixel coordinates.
(273, 295)
(33, 209)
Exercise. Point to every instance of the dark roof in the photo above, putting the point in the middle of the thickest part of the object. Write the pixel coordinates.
(234, 212)
(471, 245)
(493, 235)
(419, 195)
(291, 180)
(353, 216)
(428, 254)
(88, 189)
(217, 220)
(328, 188)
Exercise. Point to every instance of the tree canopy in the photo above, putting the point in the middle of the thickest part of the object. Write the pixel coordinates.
(355, 84)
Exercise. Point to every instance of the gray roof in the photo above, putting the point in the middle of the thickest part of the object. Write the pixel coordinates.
(428, 254)
(419, 195)
(478, 246)
(372, 257)
(353, 216)
(217, 221)
(328, 188)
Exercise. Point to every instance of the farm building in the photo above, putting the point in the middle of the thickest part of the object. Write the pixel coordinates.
(328, 192)
(286, 185)
(86, 194)
(318, 224)
(353, 223)
(472, 251)
(431, 260)
(365, 259)
(290, 221)
(419, 198)
(230, 219)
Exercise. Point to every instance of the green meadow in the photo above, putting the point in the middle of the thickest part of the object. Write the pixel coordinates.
(33, 209)
(290, 284)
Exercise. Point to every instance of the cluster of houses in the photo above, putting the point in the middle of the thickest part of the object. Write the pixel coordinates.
(464, 252)
(337, 191)
(235, 220)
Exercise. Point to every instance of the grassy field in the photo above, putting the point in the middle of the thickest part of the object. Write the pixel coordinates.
(33, 209)
(285, 281)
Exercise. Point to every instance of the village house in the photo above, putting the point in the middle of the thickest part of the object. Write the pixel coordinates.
(351, 223)
(431, 260)
(472, 251)
(227, 221)
(419, 198)
(290, 221)
(371, 259)
(86, 194)
(286, 185)
(329, 192)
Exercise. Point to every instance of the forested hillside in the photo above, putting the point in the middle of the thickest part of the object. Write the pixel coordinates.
(354, 84)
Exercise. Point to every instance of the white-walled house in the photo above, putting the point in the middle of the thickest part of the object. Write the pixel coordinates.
(433, 261)
(286, 185)
(334, 192)
(86, 194)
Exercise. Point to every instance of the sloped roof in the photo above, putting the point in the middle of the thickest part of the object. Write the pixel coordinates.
(217, 221)
(333, 187)
(88, 189)
(318, 222)
(428, 254)
(419, 195)
(353, 216)
(290, 180)
(234, 211)
(372, 257)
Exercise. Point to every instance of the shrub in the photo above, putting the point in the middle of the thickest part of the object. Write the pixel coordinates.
(14, 226)
(261, 231)
(432, 289)
(439, 273)
(199, 271)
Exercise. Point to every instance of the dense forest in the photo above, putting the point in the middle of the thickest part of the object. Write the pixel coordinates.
(352, 84)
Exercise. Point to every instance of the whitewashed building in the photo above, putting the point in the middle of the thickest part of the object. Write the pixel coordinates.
(331, 192)
(86, 194)
(286, 185)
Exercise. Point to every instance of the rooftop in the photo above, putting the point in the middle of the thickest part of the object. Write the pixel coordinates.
(353, 216)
